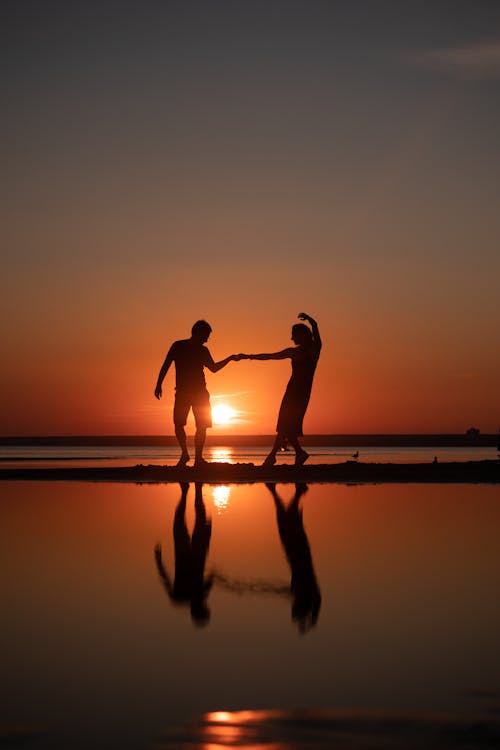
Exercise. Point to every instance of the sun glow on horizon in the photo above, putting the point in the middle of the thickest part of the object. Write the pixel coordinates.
(222, 414)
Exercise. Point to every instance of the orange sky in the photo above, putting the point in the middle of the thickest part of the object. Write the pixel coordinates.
(231, 167)
(101, 380)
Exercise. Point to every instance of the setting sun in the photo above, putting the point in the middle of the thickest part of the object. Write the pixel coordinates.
(223, 414)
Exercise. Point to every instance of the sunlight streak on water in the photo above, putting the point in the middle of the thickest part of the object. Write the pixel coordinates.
(220, 455)
(221, 494)
(302, 730)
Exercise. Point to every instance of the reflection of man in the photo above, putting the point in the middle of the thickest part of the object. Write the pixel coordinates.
(306, 601)
(190, 586)
(190, 357)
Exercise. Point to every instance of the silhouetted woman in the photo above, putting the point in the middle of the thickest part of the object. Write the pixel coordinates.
(306, 596)
(304, 356)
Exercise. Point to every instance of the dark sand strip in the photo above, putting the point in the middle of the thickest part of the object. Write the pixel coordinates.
(474, 472)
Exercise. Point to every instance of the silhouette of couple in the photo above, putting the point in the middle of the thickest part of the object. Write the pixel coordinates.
(191, 356)
(190, 586)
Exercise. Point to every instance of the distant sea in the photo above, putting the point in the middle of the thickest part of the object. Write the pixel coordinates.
(157, 450)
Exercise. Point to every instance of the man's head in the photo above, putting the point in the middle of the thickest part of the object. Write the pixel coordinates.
(201, 331)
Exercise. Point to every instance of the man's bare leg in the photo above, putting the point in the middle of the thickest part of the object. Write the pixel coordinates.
(199, 443)
(180, 434)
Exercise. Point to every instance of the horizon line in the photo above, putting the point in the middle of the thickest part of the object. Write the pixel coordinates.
(378, 438)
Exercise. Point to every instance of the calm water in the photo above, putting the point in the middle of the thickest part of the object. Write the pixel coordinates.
(131, 455)
(396, 607)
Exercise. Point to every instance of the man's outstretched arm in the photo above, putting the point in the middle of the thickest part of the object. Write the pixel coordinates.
(162, 571)
(163, 371)
(216, 366)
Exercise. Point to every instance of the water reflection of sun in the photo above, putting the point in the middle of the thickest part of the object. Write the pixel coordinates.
(221, 455)
(221, 494)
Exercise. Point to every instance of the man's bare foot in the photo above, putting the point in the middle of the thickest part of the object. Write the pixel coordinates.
(183, 459)
(300, 489)
(200, 463)
(301, 458)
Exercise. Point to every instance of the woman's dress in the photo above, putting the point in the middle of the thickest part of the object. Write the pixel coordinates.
(298, 392)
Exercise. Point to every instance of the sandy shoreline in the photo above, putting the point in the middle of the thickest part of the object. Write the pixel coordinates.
(472, 472)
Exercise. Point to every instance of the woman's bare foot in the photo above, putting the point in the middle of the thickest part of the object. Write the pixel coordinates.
(270, 460)
(301, 458)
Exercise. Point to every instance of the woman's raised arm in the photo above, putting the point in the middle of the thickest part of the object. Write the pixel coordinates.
(314, 326)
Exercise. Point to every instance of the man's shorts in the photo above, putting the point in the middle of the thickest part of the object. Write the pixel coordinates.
(199, 402)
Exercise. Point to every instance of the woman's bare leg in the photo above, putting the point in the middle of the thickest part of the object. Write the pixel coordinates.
(271, 458)
(301, 455)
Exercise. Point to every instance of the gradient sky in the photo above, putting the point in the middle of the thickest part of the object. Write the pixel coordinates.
(242, 162)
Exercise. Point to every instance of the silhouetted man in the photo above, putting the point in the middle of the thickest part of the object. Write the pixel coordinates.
(190, 586)
(190, 357)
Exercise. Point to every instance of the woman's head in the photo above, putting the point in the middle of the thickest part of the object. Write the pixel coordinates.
(301, 334)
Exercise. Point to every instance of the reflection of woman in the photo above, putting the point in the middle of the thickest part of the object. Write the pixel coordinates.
(306, 596)
(190, 586)
(304, 356)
